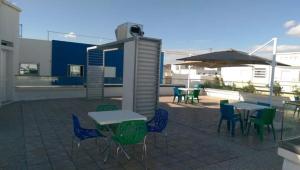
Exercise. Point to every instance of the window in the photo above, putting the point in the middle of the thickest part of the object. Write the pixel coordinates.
(29, 69)
(110, 72)
(75, 70)
(7, 43)
(260, 72)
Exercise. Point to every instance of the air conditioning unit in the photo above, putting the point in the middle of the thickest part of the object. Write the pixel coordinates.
(128, 30)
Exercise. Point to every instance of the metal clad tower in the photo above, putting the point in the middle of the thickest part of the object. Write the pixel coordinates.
(95, 74)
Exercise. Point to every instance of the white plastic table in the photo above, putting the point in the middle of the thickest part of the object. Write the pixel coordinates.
(187, 89)
(107, 118)
(248, 106)
(114, 117)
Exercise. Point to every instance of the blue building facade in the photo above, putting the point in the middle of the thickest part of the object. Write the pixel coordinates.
(68, 54)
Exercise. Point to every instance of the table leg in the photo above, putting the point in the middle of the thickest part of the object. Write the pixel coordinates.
(246, 120)
(108, 149)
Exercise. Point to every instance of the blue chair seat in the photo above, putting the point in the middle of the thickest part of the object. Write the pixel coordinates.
(89, 133)
(83, 133)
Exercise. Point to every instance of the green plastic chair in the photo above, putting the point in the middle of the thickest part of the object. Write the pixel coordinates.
(264, 118)
(224, 102)
(102, 108)
(106, 107)
(130, 133)
(194, 95)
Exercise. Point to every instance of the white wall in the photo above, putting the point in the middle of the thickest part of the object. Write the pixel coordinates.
(34, 51)
(55, 92)
(9, 31)
(292, 59)
(240, 96)
(9, 22)
(236, 73)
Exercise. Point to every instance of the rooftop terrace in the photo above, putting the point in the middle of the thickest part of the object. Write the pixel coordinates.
(38, 134)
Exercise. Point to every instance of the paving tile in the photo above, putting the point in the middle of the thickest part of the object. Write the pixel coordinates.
(193, 142)
(45, 166)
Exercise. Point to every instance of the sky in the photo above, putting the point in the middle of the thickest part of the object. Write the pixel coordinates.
(183, 25)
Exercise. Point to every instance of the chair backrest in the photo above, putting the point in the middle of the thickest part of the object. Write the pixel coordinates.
(266, 115)
(160, 119)
(106, 107)
(227, 111)
(196, 93)
(223, 102)
(297, 98)
(263, 104)
(197, 86)
(76, 126)
(131, 132)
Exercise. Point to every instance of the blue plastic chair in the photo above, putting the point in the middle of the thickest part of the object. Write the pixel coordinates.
(227, 113)
(158, 124)
(177, 93)
(81, 133)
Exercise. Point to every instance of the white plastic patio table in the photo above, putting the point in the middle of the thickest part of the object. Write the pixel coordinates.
(248, 106)
(249, 109)
(187, 89)
(116, 116)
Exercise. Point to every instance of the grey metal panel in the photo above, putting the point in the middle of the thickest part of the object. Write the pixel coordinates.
(95, 74)
(147, 75)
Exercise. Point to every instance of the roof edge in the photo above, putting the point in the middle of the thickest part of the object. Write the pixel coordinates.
(11, 5)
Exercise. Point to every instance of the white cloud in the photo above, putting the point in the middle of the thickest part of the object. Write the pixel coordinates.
(71, 35)
(294, 31)
(293, 28)
(290, 23)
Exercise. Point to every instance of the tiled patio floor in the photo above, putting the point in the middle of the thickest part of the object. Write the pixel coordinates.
(37, 135)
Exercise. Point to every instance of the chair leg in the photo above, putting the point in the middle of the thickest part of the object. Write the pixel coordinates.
(228, 125)
(232, 128)
(219, 125)
(296, 109)
(144, 149)
(145, 152)
(242, 126)
(268, 127)
(125, 153)
(273, 131)
(198, 99)
(248, 128)
(174, 98)
(166, 141)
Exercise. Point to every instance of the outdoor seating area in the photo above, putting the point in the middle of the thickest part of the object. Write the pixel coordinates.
(84, 134)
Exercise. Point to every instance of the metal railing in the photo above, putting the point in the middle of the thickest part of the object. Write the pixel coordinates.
(34, 81)
(287, 86)
(290, 125)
